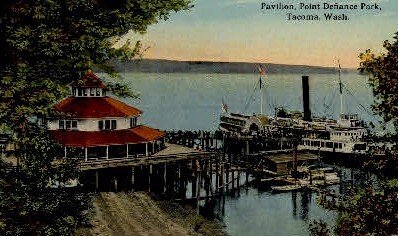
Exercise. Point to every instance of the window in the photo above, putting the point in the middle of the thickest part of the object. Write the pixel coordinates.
(68, 124)
(74, 124)
(87, 92)
(98, 92)
(107, 124)
(133, 122)
(61, 124)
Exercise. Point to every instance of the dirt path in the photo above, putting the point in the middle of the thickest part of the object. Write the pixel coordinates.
(132, 214)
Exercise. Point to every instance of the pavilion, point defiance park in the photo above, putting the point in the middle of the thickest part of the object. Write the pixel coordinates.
(98, 127)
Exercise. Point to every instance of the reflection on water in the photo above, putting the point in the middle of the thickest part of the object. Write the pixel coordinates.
(263, 213)
(254, 210)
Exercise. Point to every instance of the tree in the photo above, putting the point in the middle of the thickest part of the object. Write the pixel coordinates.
(45, 45)
(365, 210)
(370, 209)
(383, 77)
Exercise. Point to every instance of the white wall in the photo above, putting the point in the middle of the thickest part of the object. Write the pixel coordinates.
(348, 135)
(92, 124)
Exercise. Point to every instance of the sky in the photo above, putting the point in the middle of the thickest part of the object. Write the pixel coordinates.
(239, 31)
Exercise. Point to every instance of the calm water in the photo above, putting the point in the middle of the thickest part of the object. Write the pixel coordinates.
(263, 213)
(193, 101)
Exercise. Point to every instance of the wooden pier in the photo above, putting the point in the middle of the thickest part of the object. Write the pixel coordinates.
(194, 165)
(171, 153)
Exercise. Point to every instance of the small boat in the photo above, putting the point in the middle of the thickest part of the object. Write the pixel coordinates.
(285, 188)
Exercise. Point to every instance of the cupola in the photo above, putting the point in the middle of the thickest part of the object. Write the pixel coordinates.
(88, 86)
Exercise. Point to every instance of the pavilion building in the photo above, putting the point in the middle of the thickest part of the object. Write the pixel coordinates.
(96, 126)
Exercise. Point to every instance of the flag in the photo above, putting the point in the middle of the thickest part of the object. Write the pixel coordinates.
(261, 70)
(224, 106)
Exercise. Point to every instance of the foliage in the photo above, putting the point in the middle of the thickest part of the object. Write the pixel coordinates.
(373, 209)
(383, 71)
(368, 210)
(45, 45)
(319, 228)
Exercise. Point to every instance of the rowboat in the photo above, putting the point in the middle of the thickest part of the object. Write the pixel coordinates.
(285, 188)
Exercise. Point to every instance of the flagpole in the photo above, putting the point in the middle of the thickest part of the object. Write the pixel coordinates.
(341, 91)
(261, 97)
(261, 72)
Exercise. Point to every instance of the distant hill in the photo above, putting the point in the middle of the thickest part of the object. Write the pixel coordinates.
(170, 66)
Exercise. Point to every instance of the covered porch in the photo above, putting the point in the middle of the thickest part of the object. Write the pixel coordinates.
(130, 150)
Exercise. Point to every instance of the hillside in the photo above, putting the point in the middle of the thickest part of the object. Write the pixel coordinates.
(169, 66)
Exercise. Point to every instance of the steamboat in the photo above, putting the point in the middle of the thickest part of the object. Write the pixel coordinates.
(346, 135)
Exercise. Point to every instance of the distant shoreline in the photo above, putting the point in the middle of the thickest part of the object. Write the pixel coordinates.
(173, 66)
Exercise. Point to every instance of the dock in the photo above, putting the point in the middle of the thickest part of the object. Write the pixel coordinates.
(172, 153)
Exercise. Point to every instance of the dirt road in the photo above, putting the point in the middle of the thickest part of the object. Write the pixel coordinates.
(133, 214)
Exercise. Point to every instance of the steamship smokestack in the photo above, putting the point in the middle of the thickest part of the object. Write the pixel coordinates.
(306, 98)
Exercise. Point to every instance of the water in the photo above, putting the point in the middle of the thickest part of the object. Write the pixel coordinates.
(193, 101)
(264, 213)
(254, 210)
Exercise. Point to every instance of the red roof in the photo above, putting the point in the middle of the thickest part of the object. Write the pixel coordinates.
(88, 80)
(74, 138)
(96, 107)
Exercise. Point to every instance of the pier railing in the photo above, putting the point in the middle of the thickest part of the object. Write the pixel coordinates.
(151, 160)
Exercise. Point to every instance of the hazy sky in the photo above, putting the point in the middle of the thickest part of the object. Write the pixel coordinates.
(238, 30)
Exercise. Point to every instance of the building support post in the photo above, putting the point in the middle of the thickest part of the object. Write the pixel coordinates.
(146, 149)
(149, 178)
(96, 181)
(165, 177)
(194, 178)
(107, 152)
(127, 150)
(238, 181)
(198, 185)
(132, 179)
(217, 174)
(153, 147)
(85, 154)
(233, 178)
(64, 149)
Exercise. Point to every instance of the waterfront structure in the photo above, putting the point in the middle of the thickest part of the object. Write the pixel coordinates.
(344, 135)
(95, 126)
